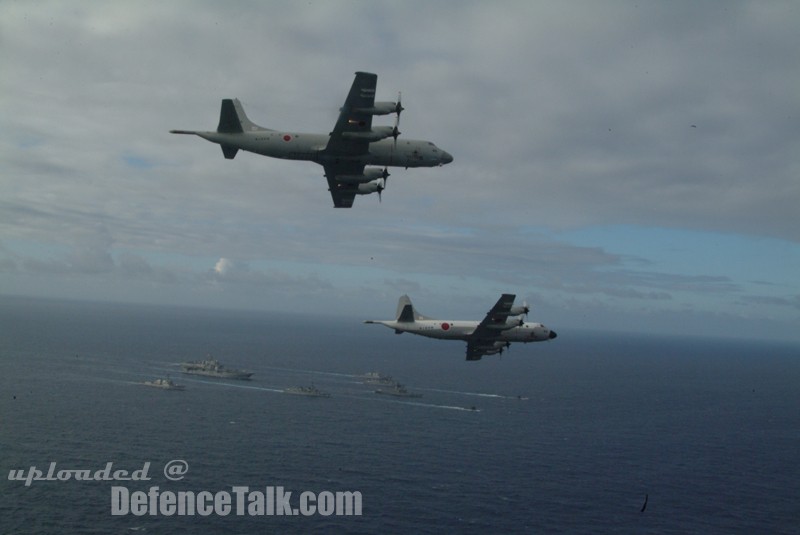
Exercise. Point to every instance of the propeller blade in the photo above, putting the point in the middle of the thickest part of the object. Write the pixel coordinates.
(398, 109)
(395, 130)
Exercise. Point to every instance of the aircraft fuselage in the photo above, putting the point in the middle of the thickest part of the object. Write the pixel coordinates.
(311, 147)
(462, 330)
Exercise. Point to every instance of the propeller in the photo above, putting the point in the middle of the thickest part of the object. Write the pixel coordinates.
(382, 185)
(398, 109)
(520, 311)
(506, 347)
(395, 131)
(524, 315)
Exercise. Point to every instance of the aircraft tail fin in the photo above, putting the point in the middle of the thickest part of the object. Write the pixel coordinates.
(233, 120)
(406, 313)
(405, 310)
(229, 122)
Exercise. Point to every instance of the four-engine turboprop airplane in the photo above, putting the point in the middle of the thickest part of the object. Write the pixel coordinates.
(345, 153)
(502, 325)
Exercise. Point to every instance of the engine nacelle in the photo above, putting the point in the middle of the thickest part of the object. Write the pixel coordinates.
(370, 174)
(376, 134)
(376, 186)
(509, 324)
(519, 310)
(379, 108)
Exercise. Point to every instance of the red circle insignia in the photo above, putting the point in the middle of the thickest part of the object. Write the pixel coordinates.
(287, 137)
(445, 326)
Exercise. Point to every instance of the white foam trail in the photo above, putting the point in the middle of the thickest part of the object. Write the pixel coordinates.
(247, 387)
(478, 394)
(415, 403)
(314, 372)
(450, 407)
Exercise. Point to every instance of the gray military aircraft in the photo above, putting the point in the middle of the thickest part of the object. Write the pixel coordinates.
(502, 325)
(345, 153)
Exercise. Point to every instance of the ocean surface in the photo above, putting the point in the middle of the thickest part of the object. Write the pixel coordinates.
(589, 433)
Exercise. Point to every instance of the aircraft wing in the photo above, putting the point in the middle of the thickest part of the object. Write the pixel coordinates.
(343, 150)
(488, 331)
(343, 194)
(361, 96)
(475, 350)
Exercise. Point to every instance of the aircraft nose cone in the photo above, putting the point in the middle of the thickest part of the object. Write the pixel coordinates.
(446, 157)
(553, 335)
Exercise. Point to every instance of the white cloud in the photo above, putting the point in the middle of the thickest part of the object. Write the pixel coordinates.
(223, 266)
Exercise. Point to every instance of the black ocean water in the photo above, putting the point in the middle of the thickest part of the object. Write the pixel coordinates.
(568, 436)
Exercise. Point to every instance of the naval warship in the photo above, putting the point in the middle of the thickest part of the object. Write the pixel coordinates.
(311, 391)
(165, 384)
(212, 368)
(399, 391)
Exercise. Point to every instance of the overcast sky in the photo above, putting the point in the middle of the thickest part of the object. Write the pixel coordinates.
(619, 165)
